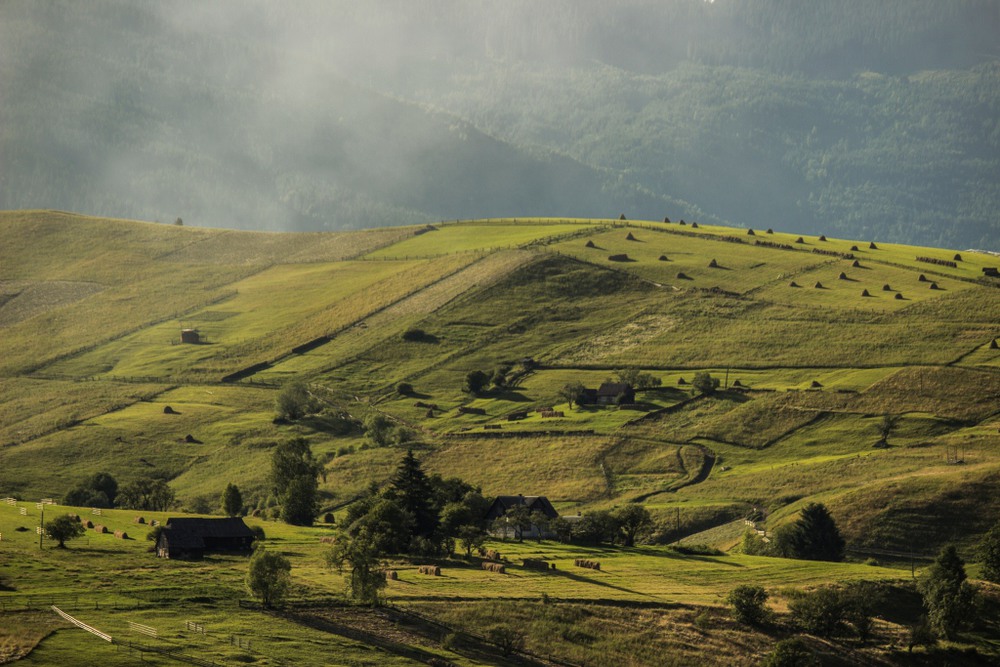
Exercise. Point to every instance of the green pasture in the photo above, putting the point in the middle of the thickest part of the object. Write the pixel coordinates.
(477, 236)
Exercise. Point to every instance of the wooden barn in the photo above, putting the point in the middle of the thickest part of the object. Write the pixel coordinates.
(190, 336)
(609, 393)
(192, 538)
(502, 504)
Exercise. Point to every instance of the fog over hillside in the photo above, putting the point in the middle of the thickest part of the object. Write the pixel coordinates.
(848, 118)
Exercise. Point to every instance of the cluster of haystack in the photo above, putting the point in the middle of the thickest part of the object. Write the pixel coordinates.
(432, 570)
(499, 568)
(589, 564)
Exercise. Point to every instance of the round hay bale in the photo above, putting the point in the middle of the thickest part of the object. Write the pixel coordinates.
(842, 276)
(854, 248)
(886, 288)
(922, 278)
(800, 240)
(793, 284)
(694, 225)
(770, 231)
(100, 529)
(590, 244)
(899, 296)
(167, 410)
(713, 264)
(856, 264)
(630, 237)
(663, 258)
(957, 257)
(872, 246)
(818, 285)
(87, 523)
(139, 519)
(750, 233)
(864, 292)
(121, 535)
(683, 276)
(618, 258)
(822, 237)
(391, 575)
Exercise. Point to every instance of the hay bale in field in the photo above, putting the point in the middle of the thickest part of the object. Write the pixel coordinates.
(750, 233)
(329, 539)
(499, 568)
(622, 257)
(663, 258)
(430, 570)
(430, 413)
(737, 383)
(694, 225)
(591, 244)
(856, 264)
(842, 276)
(391, 575)
(769, 231)
(991, 271)
(994, 345)
(800, 240)
(886, 288)
(899, 296)
(713, 264)
(822, 237)
(87, 523)
(793, 284)
(666, 220)
(121, 535)
(864, 292)
(101, 529)
(854, 248)
(682, 222)
(630, 237)
(490, 554)
(816, 385)
(139, 519)
(589, 564)
(818, 285)
(683, 276)
(191, 440)
(681, 381)
(957, 257)
(934, 286)
(922, 278)
(167, 410)
(872, 246)
(621, 217)
(535, 564)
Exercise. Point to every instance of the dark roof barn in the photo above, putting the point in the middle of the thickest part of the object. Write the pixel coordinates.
(184, 537)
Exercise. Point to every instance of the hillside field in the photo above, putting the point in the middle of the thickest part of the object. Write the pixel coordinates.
(391, 322)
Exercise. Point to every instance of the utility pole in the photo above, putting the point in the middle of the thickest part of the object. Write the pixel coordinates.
(41, 525)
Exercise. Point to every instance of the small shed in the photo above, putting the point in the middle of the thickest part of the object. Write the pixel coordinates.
(190, 336)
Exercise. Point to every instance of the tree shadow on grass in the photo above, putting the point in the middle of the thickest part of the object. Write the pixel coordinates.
(588, 580)
(509, 395)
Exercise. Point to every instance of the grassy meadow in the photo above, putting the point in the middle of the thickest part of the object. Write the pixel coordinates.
(91, 311)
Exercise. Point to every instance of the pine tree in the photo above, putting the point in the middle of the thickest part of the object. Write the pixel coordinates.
(232, 500)
(409, 487)
(815, 536)
(989, 552)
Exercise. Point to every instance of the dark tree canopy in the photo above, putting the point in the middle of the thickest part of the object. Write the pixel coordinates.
(64, 528)
(293, 479)
(814, 536)
(948, 597)
(145, 493)
(269, 577)
(232, 500)
(411, 489)
(989, 553)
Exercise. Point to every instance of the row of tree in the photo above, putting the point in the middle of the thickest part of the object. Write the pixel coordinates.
(102, 490)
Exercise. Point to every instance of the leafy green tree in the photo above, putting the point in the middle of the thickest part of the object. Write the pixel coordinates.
(64, 528)
(637, 379)
(749, 604)
(99, 490)
(360, 553)
(295, 402)
(507, 637)
(471, 537)
(704, 383)
(633, 521)
(389, 526)
(379, 429)
(860, 600)
(572, 392)
(791, 652)
(145, 493)
(989, 553)
(950, 600)
(814, 536)
(595, 528)
(476, 382)
(269, 577)
(232, 500)
(293, 478)
(819, 612)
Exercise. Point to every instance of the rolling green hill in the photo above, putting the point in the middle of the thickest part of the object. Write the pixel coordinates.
(91, 312)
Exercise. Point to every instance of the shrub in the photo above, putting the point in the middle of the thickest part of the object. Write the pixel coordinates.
(404, 388)
(791, 652)
(749, 604)
(820, 612)
(415, 335)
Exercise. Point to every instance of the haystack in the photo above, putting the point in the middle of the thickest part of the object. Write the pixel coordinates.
(750, 233)
(694, 225)
(590, 244)
(872, 246)
(630, 237)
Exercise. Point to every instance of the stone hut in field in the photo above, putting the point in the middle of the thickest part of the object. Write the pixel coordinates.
(190, 336)
(192, 538)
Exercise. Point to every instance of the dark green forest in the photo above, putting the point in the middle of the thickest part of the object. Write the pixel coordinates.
(851, 118)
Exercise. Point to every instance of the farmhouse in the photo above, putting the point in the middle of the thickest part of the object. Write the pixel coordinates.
(192, 538)
(609, 393)
(502, 504)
